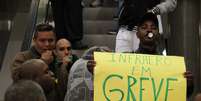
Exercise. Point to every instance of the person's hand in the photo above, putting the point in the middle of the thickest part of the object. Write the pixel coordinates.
(47, 56)
(190, 82)
(198, 97)
(90, 66)
(189, 76)
(67, 60)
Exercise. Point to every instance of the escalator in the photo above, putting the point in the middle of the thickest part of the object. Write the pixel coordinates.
(18, 19)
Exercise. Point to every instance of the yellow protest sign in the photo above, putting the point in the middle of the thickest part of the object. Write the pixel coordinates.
(138, 77)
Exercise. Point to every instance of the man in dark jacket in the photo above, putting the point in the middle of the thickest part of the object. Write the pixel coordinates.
(43, 47)
(63, 63)
(44, 43)
(148, 34)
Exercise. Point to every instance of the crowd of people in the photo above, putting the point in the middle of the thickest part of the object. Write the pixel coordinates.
(49, 71)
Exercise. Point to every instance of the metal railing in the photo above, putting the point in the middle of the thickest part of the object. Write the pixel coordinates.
(32, 18)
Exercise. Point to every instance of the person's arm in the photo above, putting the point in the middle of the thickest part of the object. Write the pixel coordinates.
(164, 7)
(167, 6)
(17, 62)
(62, 75)
(91, 65)
(190, 82)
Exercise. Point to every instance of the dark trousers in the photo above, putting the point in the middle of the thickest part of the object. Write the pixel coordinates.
(68, 19)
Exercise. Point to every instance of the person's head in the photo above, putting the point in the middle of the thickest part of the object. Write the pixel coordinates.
(147, 31)
(24, 90)
(44, 38)
(38, 71)
(63, 49)
(198, 97)
(89, 54)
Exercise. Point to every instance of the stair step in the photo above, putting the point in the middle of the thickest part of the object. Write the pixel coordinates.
(100, 40)
(78, 53)
(97, 40)
(106, 3)
(110, 3)
(99, 27)
(99, 13)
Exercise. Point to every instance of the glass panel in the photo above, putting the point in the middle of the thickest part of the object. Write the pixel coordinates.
(5, 30)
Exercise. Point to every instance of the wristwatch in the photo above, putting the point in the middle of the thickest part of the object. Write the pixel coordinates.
(155, 10)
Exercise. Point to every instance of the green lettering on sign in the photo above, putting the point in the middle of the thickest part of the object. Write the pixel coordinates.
(141, 87)
(156, 93)
(167, 86)
(113, 90)
(130, 93)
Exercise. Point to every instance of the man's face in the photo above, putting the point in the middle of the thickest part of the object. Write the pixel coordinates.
(148, 32)
(63, 49)
(45, 78)
(44, 41)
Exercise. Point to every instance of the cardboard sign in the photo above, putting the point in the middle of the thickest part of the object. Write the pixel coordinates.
(138, 77)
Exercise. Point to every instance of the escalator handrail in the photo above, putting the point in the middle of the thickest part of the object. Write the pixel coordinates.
(32, 20)
(47, 12)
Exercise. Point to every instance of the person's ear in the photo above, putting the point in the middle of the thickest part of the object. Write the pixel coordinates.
(34, 40)
(138, 34)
